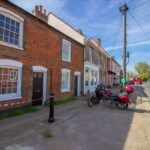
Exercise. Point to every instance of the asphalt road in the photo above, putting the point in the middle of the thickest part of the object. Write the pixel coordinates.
(79, 127)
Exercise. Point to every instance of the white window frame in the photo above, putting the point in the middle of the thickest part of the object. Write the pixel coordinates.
(6, 63)
(69, 80)
(17, 18)
(69, 56)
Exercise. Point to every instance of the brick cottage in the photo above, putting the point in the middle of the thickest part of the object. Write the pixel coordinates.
(36, 58)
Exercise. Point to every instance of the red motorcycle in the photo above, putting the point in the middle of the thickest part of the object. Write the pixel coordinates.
(121, 100)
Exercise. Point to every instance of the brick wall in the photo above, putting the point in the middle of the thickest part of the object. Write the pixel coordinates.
(42, 47)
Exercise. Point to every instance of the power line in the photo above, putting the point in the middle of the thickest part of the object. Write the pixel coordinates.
(141, 4)
(139, 25)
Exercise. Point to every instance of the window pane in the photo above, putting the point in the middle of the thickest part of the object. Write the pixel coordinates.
(6, 33)
(18, 24)
(16, 42)
(11, 35)
(2, 17)
(1, 24)
(13, 22)
(7, 20)
(1, 31)
(11, 40)
(12, 28)
(7, 26)
(17, 30)
(6, 39)
(16, 36)
(14, 90)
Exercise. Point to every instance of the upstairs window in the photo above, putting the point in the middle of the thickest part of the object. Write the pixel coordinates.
(11, 26)
(105, 62)
(66, 50)
(99, 58)
(91, 54)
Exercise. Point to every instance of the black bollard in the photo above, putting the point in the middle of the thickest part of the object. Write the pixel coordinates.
(51, 109)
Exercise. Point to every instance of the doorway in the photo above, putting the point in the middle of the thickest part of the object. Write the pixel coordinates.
(77, 84)
(37, 91)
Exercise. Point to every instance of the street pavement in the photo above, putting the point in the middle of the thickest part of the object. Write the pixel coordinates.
(79, 127)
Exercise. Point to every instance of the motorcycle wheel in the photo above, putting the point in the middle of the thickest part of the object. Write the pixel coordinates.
(122, 106)
(95, 100)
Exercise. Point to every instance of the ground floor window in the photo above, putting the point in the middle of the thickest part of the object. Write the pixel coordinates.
(65, 80)
(10, 79)
(87, 77)
(96, 78)
(91, 77)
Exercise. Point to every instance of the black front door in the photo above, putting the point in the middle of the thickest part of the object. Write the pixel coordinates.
(76, 86)
(37, 93)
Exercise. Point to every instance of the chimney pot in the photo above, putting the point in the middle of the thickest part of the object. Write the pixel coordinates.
(41, 8)
(40, 13)
(99, 40)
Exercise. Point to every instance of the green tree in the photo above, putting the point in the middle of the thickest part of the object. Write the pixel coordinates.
(143, 70)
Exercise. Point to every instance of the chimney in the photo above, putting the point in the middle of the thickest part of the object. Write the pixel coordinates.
(79, 31)
(99, 40)
(40, 13)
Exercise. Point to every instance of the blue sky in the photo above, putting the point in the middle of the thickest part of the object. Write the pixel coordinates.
(102, 17)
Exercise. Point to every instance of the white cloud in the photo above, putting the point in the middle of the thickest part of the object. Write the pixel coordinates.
(138, 30)
(129, 45)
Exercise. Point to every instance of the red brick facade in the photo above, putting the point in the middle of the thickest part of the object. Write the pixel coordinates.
(42, 46)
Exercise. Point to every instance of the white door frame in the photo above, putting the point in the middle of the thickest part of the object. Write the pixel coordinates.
(44, 70)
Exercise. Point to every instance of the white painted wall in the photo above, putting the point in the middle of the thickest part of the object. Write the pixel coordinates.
(63, 27)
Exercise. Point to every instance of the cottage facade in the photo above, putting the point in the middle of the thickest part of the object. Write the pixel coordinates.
(36, 58)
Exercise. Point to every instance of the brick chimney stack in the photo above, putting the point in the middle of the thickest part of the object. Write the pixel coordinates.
(40, 13)
(99, 40)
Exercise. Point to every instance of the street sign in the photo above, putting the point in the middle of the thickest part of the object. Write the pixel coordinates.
(123, 80)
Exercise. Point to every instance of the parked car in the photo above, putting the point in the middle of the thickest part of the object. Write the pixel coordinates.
(137, 80)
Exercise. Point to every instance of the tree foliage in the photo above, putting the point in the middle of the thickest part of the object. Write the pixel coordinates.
(143, 70)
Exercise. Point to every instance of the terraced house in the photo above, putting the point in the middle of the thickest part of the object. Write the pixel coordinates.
(36, 57)
(91, 65)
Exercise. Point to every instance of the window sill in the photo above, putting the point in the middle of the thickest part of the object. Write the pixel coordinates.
(66, 60)
(10, 45)
(65, 91)
(9, 97)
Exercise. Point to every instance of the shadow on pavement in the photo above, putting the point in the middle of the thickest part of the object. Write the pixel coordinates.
(141, 92)
(135, 110)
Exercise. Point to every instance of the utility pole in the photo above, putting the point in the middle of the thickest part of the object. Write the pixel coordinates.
(123, 9)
